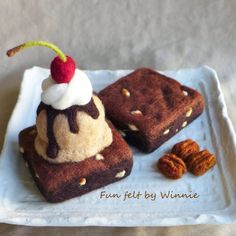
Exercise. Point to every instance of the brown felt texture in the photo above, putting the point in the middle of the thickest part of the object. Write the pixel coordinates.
(160, 99)
(59, 182)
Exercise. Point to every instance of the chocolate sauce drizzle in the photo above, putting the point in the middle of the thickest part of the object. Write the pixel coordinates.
(70, 113)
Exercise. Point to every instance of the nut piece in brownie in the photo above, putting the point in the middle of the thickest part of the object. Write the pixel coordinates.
(59, 182)
(149, 108)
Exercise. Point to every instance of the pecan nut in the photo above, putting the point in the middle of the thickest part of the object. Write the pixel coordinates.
(199, 163)
(185, 148)
(171, 166)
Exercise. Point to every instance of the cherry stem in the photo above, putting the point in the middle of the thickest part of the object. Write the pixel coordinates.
(29, 44)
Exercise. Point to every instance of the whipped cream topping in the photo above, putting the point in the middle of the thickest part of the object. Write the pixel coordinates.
(61, 96)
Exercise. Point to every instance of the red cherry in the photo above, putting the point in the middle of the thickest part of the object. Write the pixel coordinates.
(62, 72)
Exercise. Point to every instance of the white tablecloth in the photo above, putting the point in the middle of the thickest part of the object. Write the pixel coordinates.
(111, 34)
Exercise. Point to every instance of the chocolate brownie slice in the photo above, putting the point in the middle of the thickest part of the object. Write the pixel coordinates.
(149, 108)
(59, 182)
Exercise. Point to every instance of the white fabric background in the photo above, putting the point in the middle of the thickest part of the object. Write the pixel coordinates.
(125, 34)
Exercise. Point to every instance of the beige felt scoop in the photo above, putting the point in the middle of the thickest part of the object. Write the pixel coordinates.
(94, 135)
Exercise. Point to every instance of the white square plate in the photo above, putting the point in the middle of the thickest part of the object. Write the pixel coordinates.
(21, 202)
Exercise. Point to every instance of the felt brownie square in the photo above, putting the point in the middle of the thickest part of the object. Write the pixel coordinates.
(149, 108)
(59, 182)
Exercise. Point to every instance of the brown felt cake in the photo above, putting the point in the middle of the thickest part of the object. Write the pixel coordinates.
(59, 182)
(149, 108)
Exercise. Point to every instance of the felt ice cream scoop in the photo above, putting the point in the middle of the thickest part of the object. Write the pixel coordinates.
(71, 124)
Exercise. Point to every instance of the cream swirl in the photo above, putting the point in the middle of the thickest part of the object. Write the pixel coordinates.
(61, 96)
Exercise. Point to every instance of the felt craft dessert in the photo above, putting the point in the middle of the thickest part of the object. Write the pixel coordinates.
(72, 149)
(149, 108)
